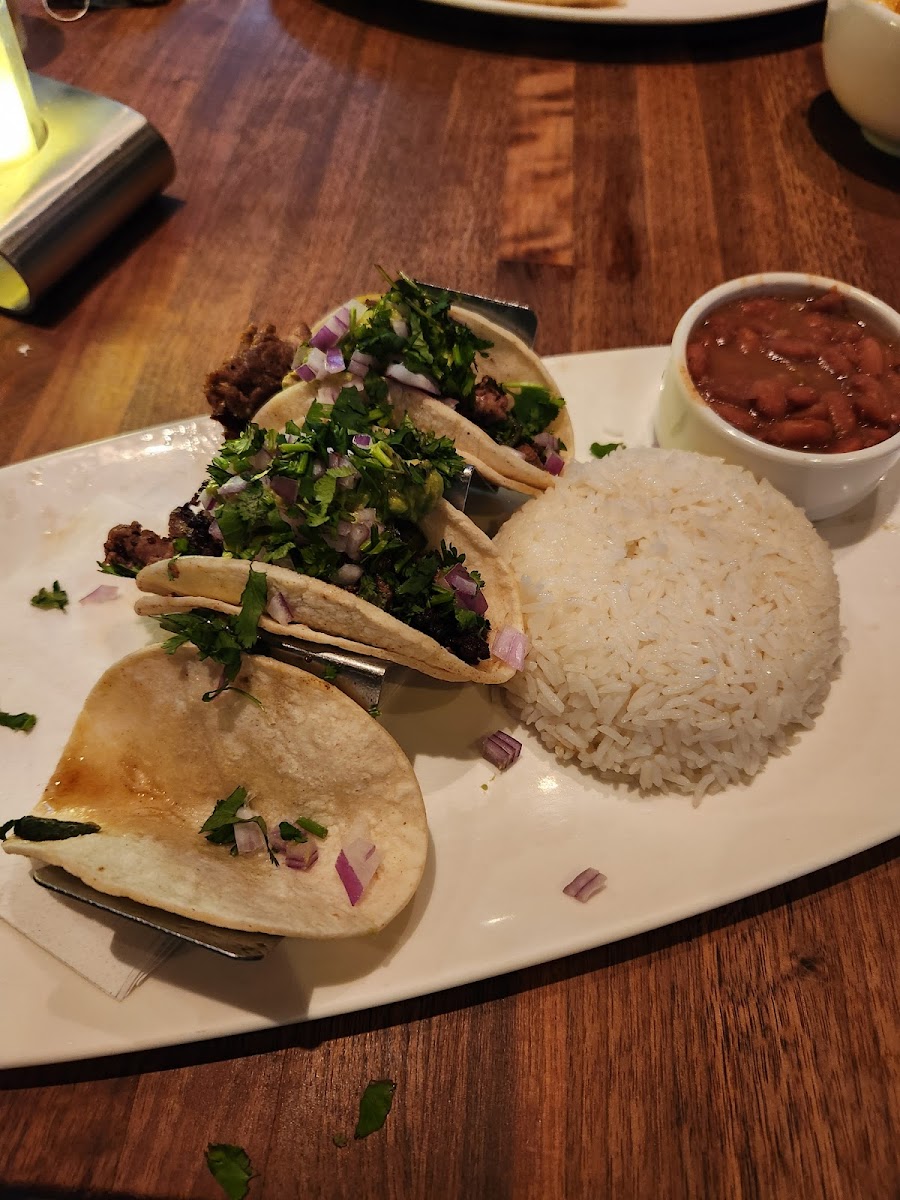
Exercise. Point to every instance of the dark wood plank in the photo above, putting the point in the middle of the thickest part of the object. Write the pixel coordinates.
(606, 177)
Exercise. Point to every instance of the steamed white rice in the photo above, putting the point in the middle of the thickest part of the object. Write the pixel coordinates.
(683, 618)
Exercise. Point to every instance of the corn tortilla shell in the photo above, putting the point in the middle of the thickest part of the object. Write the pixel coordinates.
(509, 360)
(148, 759)
(333, 616)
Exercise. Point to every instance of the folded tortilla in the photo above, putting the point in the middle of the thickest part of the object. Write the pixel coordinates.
(328, 614)
(148, 760)
(509, 360)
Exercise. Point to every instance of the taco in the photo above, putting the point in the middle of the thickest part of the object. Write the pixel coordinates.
(358, 547)
(201, 809)
(451, 370)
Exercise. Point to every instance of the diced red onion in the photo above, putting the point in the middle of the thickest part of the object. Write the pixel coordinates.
(299, 357)
(334, 359)
(327, 393)
(553, 463)
(260, 460)
(363, 440)
(232, 486)
(284, 487)
(356, 864)
(400, 373)
(248, 837)
(360, 364)
(358, 534)
(500, 749)
(477, 604)
(207, 498)
(278, 608)
(100, 595)
(300, 856)
(400, 326)
(348, 574)
(546, 441)
(318, 470)
(276, 841)
(215, 531)
(461, 581)
(510, 646)
(348, 482)
(585, 884)
(305, 372)
(317, 362)
(332, 331)
(337, 460)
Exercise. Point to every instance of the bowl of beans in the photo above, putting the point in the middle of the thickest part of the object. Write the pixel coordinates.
(793, 376)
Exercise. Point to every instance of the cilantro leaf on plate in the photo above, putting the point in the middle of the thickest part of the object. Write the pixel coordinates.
(55, 597)
(23, 721)
(601, 449)
(46, 829)
(218, 636)
(231, 1168)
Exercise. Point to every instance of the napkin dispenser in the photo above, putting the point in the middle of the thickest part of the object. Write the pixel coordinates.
(83, 164)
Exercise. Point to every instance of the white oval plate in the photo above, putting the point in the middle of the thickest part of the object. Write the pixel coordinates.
(503, 845)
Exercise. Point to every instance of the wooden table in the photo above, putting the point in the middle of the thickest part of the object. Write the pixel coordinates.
(606, 176)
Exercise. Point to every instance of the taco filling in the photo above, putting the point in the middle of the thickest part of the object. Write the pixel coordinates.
(328, 501)
(409, 337)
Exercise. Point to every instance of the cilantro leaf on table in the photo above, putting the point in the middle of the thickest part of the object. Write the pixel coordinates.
(231, 1168)
(374, 1106)
(47, 598)
(24, 722)
(46, 829)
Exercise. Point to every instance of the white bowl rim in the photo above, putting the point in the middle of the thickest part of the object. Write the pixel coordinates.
(759, 284)
(876, 8)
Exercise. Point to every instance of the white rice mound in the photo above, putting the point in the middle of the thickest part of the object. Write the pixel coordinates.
(683, 619)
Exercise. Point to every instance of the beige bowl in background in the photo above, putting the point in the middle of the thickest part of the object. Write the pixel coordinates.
(861, 55)
(822, 484)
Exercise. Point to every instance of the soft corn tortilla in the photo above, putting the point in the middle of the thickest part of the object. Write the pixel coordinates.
(508, 361)
(328, 614)
(147, 761)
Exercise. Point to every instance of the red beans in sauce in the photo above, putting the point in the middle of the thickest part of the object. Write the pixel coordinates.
(802, 373)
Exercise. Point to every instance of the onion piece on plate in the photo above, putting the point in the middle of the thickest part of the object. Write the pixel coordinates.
(100, 595)
(356, 864)
(500, 749)
(586, 884)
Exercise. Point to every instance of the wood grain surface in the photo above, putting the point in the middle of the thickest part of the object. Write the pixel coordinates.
(606, 176)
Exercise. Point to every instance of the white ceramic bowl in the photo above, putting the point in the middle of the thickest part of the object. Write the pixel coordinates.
(822, 484)
(861, 55)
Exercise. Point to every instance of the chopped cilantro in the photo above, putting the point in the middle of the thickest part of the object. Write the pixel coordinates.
(23, 721)
(219, 637)
(46, 829)
(296, 511)
(54, 597)
(291, 833)
(329, 672)
(534, 408)
(117, 569)
(436, 344)
(231, 1168)
(601, 449)
(312, 827)
(374, 1106)
(374, 711)
(219, 825)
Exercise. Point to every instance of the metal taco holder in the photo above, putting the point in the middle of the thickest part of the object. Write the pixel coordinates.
(357, 675)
